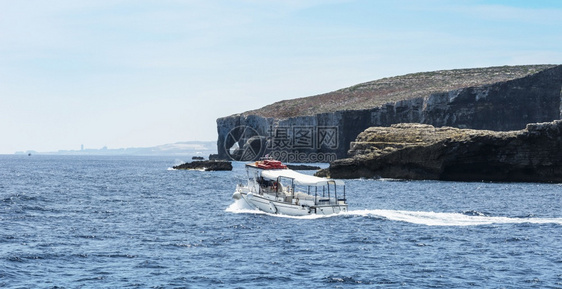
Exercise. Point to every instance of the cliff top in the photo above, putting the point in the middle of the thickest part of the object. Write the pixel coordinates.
(376, 93)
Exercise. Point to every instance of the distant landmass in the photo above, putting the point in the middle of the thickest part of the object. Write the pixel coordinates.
(189, 148)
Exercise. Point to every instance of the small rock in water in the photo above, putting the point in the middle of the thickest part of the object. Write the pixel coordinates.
(206, 166)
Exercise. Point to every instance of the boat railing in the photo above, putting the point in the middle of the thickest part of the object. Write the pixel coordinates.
(327, 201)
(328, 194)
(284, 187)
(317, 199)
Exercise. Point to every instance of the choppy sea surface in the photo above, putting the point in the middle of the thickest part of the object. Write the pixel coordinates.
(132, 222)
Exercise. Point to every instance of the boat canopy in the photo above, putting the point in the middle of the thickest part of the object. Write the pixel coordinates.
(298, 178)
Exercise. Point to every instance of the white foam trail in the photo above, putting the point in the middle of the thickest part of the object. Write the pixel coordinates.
(449, 219)
(197, 170)
(414, 217)
(240, 207)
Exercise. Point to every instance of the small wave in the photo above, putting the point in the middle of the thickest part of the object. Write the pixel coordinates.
(12, 198)
(352, 281)
(475, 213)
(450, 219)
(150, 265)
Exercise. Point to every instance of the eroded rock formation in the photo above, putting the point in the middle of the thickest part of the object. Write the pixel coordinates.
(417, 151)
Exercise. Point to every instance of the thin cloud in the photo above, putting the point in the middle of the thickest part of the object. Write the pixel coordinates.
(540, 16)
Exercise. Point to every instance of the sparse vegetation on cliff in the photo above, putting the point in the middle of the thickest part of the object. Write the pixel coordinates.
(376, 93)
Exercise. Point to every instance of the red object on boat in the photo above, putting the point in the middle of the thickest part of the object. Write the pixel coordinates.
(270, 165)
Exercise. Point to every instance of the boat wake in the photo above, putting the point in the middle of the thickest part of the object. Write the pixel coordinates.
(470, 218)
(241, 207)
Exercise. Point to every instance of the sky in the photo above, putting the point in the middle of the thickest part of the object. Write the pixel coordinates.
(139, 73)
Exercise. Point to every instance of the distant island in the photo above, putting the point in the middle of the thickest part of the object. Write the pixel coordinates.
(188, 148)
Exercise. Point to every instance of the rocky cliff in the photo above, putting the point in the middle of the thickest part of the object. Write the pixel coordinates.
(418, 151)
(320, 128)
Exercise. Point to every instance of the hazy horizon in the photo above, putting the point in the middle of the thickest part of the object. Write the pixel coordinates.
(122, 74)
(172, 148)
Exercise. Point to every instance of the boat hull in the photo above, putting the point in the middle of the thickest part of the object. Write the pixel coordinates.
(276, 207)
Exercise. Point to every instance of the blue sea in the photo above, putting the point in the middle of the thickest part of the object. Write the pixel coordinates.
(133, 222)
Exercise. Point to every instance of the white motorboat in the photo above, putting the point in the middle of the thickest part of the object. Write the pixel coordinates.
(273, 188)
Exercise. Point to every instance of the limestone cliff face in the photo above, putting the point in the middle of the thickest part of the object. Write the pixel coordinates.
(501, 106)
(417, 151)
(298, 139)
(500, 99)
